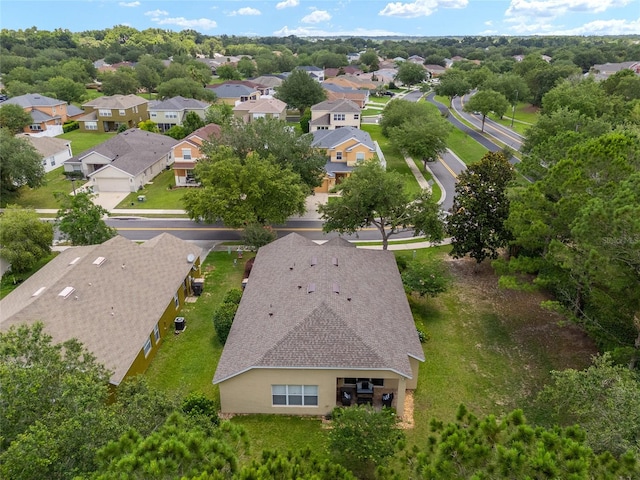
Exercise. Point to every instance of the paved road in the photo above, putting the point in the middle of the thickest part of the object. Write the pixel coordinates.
(493, 129)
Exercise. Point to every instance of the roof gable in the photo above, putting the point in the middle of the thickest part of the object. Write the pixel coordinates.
(342, 105)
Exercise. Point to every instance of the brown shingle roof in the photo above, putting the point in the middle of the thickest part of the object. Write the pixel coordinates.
(137, 295)
(116, 101)
(280, 323)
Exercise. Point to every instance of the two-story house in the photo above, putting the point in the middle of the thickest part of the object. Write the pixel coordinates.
(107, 114)
(336, 92)
(54, 151)
(261, 108)
(47, 114)
(187, 152)
(314, 72)
(345, 148)
(234, 93)
(172, 111)
(332, 114)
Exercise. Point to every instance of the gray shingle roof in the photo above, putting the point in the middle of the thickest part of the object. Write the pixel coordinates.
(137, 295)
(132, 151)
(341, 105)
(116, 101)
(34, 100)
(38, 117)
(177, 104)
(281, 324)
(333, 138)
(47, 146)
(231, 90)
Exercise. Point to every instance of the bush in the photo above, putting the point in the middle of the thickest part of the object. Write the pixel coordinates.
(223, 319)
(233, 296)
(423, 336)
(69, 126)
(196, 404)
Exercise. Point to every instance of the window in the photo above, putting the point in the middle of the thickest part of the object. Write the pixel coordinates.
(153, 114)
(338, 116)
(295, 395)
(171, 115)
(53, 161)
(186, 154)
(104, 112)
(338, 155)
(122, 112)
(35, 126)
(356, 116)
(176, 299)
(156, 333)
(147, 347)
(135, 109)
(91, 125)
(359, 157)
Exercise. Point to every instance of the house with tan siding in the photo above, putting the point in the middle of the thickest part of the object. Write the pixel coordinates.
(316, 321)
(47, 114)
(345, 148)
(119, 299)
(172, 111)
(262, 108)
(332, 114)
(188, 151)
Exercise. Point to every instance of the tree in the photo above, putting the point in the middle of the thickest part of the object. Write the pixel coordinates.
(123, 82)
(597, 399)
(452, 84)
(246, 67)
(293, 465)
(228, 72)
(372, 196)
(411, 73)
(148, 78)
(220, 114)
(185, 87)
(240, 192)
(480, 209)
(473, 448)
(425, 278)
(304, 120)
(362, 437)
(24, 238)
(512, 86)
(64, 89)
(81, 221)
(13, 118)
(255, 235)
(422, 138)
(300, 91)
(273, 138)
(486, 101)
(398, 112)
(148, 126)
(192, 122)
(370, 59)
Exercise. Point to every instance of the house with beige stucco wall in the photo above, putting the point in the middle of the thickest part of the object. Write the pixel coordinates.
(188, 151)
(332, 114)
(316, 322)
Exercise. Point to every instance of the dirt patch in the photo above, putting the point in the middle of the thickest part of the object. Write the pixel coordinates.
(529, 325)
(531, 109)
(406, 420)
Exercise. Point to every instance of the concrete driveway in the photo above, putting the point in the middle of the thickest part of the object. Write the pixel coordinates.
(109, 200)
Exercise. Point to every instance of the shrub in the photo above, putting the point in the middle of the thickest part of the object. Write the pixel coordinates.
(197, 404)
(69, 126)
(423, 336)
(223, 319)
(232, 296)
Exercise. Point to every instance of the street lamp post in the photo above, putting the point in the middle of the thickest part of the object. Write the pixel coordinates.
(513, 111)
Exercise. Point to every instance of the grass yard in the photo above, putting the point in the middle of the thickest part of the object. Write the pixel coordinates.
(82, 141)
(158, 194)
(465, 147)
(44, 197)
(10, 281)
(395, 160)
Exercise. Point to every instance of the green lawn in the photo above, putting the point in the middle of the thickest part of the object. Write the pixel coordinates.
(44, 197)
(465, 147)
(82, 141)
(10, 281)
(383, 100)
(157, 194)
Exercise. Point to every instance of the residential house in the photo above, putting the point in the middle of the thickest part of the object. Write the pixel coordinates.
(107, 114)
(605, 70)
(315, 321)
(345, 147)
(337, 72)
(332, 114)
(54, 151)
(261, 108)
(335, 92)
(125, 162)
(416, 59)
(265, 90)
(269, 81)
(219, 60)
(118, 298)
(187, 151)
(314, 72)
(363, 81)
(435, 70)
(234, 93)
(353, 56)
(172, 111)
(47, 114)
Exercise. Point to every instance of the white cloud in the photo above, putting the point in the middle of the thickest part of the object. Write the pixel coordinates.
(419, 8)
(130, 4)
(317, 16)
(489, 23)
(202, 23)
(287, 4)
(156, 13)
(556, 8)
(316, 32)
(245, 11)
(603, 27)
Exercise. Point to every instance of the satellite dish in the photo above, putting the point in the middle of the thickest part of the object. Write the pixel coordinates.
(191, 258)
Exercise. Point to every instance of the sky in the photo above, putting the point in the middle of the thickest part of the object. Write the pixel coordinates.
(323, 18)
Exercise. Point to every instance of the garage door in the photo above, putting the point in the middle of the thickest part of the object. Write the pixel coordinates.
(112, 185)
